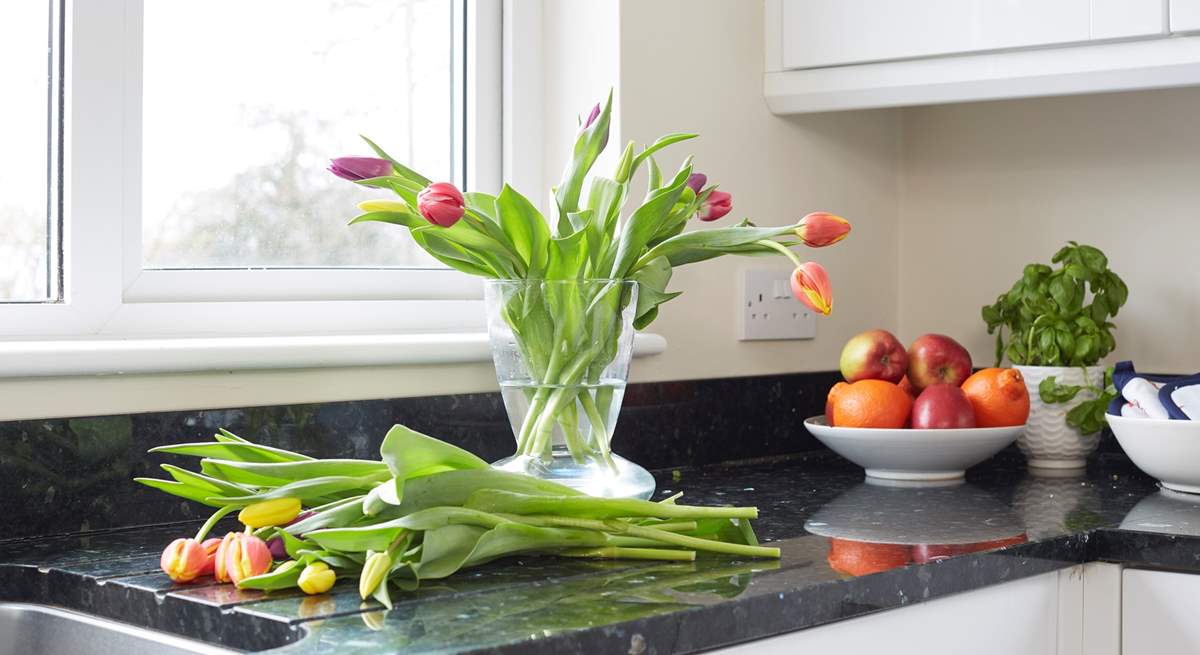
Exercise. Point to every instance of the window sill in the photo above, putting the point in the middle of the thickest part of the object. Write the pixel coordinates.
(186, 355)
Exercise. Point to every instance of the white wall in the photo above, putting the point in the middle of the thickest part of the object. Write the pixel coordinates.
(989, 187)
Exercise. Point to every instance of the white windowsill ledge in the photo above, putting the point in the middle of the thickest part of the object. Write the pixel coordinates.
(182, 355)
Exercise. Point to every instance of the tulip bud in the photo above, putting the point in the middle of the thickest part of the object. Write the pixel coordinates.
(820, 229)
(374, 572)
(210, 555)
(277, 547)
(245, 557)
(183, 560)
(696, 182)
(360, 168)
(715, 206)
(592, 116)
(279, 511)
(810, 285)
(384, 206)
(625, 165)
(441, 203)
(317, 578)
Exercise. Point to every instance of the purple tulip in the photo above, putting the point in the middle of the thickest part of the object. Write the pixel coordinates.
(360, 168)
(277, 549)
(696, 182)
(592, 116)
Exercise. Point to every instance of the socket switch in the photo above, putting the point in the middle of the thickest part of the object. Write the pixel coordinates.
(768, 311)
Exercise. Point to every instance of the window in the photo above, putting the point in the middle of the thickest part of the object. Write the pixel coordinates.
(195, 137)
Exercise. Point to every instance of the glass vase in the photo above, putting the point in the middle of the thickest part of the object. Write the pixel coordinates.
(562, 350)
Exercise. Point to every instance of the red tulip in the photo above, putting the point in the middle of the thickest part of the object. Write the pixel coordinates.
(820, 229)
(441, 203)
(360, 168)
(183, 560)
(715, 206)
(810, 285)
(246, 556)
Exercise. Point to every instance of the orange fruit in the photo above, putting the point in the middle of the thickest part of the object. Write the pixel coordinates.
(998, 396)
(833, 391)
(871, 404)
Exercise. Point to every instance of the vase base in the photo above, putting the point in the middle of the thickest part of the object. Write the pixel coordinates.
(592, 478)
(1072, 464)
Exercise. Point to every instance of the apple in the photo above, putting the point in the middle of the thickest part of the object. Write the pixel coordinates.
(937, 359)
(941, 407)
(874, 355)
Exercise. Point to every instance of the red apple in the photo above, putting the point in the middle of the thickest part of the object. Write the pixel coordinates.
(942, 406)
(937, 359)
(874, 355)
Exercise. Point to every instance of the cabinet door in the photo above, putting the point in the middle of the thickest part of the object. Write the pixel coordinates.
(819, 33)
(1158, 613)
(1185, 15)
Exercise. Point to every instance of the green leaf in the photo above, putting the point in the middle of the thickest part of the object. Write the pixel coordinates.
(403, 170)
(498, 501)
(273, 474)
(1052, 392)
(308, 489)
(213, 484)
(410, 454)
(285, 576)
(588, 146)
(525, 227)
(661, 143)
(1093, 258)
(644, 223)
(693, 246)
(652, 279)
(190, 492)
(239, 452)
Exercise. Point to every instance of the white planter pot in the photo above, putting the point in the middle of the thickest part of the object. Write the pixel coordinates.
(1048, 442)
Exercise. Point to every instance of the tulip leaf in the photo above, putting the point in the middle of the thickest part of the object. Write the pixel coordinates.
(525, 228)
(410, 454)
(343, 512)
(498, 501)
(308, 489)
(661, 143)
(652, 282)
(685, 247)
(278, 473)
(238, 452)
(644, 223)
(285, 576)
(400, 168)
(198, 494)
(588, 146)
(229, 437)
(214, 485)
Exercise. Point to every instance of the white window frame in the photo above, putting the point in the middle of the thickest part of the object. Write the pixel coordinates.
(116, 317)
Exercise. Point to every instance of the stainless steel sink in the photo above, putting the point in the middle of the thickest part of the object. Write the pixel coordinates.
(27, 629)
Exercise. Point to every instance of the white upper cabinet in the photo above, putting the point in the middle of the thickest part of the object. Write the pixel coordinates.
(827, 55)
(1185, 15)
(822, 33)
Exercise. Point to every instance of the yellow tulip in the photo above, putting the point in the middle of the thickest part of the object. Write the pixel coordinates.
(317, 578)
(374, 572)
(279, 511)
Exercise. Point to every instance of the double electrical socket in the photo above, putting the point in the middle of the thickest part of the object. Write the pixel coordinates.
(768, 311)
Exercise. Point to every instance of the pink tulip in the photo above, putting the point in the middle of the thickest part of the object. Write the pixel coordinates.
(219, 570)
(360, 168)
(810, 285)
(183, 560)
(820, 229)
(210, 547)
(441, 204)
(715, 206)
(696, 182)
(246, 556)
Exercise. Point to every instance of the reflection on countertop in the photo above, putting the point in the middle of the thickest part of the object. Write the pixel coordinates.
(849, 548)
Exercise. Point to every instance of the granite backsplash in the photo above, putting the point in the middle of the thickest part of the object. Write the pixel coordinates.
(74, 474)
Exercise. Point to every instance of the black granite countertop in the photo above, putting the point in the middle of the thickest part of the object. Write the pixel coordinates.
(849, 548)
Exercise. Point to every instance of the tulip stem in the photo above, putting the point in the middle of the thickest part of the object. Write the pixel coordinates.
(212, 521)
(781, 248)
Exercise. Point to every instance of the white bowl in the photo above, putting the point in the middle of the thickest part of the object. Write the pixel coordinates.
(907, 454)
(1165, 449)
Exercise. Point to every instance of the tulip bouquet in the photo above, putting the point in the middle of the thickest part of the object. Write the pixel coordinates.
(425, 511)
(578, 271)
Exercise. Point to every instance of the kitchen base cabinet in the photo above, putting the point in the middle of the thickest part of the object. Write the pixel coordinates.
(1158, 613)
(1075, 611)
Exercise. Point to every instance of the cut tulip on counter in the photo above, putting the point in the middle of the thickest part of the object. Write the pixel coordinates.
(425, 511)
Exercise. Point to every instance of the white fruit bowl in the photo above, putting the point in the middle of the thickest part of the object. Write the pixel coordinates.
(908, 454)
(1165, 449)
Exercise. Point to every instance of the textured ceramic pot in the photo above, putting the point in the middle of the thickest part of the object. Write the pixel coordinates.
(1048, 442)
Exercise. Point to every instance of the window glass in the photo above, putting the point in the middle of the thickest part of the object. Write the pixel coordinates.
(244, 103)
(25, 107)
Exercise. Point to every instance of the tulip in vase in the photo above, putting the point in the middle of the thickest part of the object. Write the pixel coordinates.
(565, 293)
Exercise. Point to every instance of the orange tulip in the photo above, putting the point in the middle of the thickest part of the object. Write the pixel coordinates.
(219, 570)
(210, 547)
(246, 556)
(820, 229)
(183, 560)
(810, 285)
